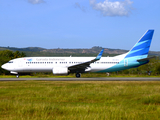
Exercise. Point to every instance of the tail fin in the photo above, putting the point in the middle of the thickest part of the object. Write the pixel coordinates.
(141, 48)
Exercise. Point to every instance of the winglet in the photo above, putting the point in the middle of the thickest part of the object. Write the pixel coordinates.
(99, 55)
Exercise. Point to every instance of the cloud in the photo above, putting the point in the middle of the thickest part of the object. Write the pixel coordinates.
(117, 8)
(77, 5)
(36, 1)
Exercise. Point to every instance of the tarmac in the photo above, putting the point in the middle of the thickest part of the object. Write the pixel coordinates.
(86, 79)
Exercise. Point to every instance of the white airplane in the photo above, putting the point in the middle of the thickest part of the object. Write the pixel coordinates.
(65, 65)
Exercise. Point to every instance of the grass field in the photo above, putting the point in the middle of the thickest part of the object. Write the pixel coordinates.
(46, 100)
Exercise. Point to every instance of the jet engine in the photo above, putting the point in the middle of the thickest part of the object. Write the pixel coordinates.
(60, 71)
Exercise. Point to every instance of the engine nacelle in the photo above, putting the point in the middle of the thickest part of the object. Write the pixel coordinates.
(60, 71)
(88, 69)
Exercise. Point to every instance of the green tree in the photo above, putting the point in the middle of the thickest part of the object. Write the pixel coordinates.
(17, 54)
(7, 54)
(23, 54)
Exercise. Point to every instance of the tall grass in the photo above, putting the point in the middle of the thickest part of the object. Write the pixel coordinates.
(45, 100)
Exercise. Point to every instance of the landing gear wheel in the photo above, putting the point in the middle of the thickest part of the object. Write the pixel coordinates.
(78, 75)
(17, 75)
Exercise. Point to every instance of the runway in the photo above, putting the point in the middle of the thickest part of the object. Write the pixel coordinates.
(84, 79)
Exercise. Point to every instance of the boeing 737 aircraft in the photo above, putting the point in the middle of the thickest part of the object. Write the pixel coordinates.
(65, 65)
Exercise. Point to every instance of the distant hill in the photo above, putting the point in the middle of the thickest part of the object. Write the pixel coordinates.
(37, 51)
(91, 50)
(33, 49)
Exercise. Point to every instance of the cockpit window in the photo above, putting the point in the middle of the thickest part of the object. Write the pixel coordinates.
(10, 62)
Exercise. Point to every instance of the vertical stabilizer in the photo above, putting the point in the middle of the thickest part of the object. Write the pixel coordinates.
(141, 48)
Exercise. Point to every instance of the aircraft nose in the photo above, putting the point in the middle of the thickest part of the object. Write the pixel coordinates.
(4, 66)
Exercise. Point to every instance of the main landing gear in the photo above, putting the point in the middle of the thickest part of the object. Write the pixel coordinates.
(17, 75)
(78, 75)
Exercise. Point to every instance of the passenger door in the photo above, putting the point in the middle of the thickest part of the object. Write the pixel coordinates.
(125, 62)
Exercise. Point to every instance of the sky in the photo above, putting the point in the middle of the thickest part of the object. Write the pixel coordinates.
(116, 24)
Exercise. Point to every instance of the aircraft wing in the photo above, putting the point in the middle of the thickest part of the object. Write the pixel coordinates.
(84, 65)
(145, 59)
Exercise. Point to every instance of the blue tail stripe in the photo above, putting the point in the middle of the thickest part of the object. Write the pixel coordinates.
(142, 46)
(146, 44)
(148, 35)
(138, 53)
(131, 52)
(139, 43)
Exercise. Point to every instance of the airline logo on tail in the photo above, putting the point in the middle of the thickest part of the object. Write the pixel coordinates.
(141, 48)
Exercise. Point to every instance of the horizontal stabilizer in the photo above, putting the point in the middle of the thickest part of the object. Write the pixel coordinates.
(145, 59)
